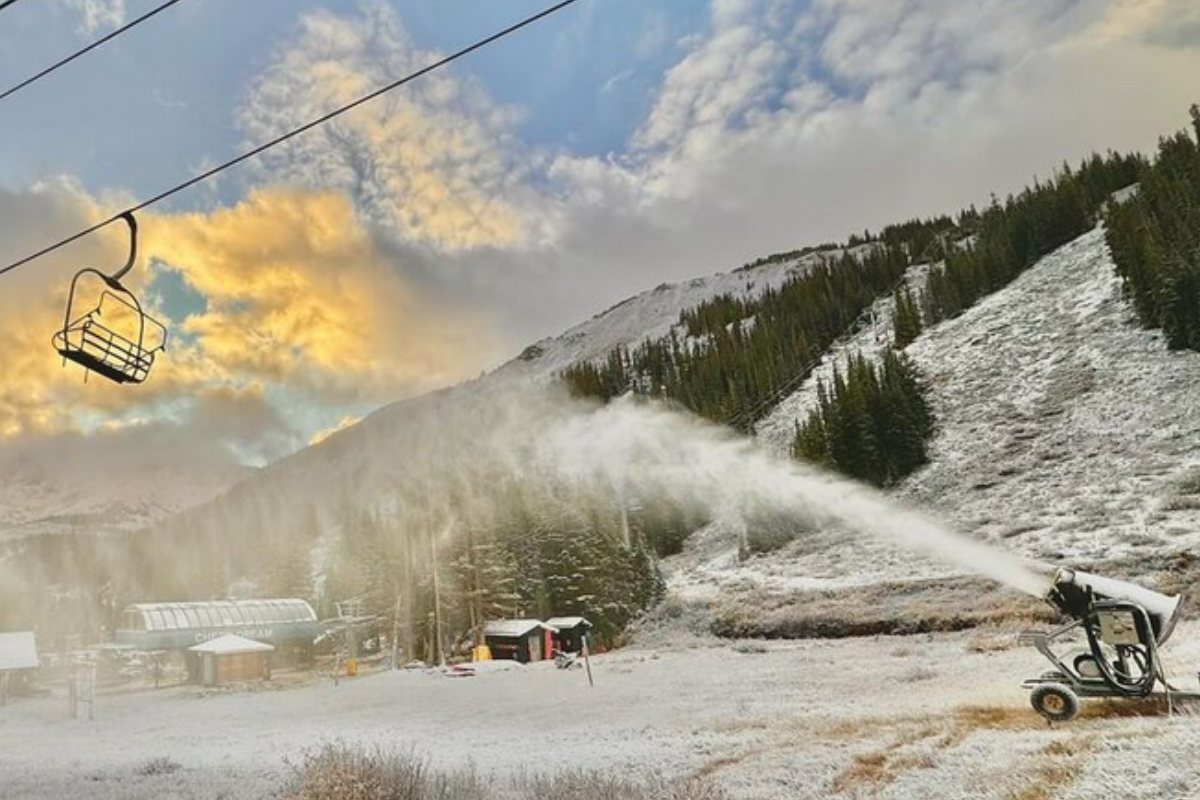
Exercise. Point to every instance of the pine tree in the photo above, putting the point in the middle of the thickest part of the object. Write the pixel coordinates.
(872, 424)
(906, 318)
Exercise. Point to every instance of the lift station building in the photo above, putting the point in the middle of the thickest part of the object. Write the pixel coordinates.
(289, 626)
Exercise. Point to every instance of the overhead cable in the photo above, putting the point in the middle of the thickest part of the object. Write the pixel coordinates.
(203, 176)
(78, 53)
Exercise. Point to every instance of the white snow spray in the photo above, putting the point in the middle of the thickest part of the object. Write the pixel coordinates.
(645, 447)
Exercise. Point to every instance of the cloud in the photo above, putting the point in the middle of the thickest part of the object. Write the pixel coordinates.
(794, 122)
(242, 420)
(345, 422)
(299, 293)
(430, 160)
(98, 15)
(418, 240)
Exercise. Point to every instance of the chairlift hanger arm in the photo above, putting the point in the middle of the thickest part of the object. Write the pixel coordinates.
(115, 279)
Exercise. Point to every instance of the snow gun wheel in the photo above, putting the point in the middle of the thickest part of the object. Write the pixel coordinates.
(1055, 702)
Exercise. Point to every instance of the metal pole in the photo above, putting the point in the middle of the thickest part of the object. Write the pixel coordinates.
(587, 661)
(73, 694)
(437, 601)
(91, 691)
(396, 632)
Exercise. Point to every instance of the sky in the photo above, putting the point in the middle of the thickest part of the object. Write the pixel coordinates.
(434, 233)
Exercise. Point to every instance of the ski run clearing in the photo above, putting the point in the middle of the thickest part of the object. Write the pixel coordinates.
(923, 717)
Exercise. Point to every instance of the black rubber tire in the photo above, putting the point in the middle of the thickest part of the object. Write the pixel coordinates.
(1055, 702)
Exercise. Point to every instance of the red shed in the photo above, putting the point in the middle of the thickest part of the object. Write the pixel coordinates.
(521, 640)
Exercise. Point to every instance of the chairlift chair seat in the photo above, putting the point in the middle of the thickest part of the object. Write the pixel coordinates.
(100, 348)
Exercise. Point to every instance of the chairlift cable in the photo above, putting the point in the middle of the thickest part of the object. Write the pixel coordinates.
(78, 53)
(203, 176)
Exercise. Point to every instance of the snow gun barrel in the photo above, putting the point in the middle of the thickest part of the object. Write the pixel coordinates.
(1075, 592)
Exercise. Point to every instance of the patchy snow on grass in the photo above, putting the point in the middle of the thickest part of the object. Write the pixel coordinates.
(1066, 430)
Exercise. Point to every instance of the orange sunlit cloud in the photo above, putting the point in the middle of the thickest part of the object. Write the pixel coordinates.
(297, 294)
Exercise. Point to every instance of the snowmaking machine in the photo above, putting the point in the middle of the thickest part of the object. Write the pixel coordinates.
(1123, 626)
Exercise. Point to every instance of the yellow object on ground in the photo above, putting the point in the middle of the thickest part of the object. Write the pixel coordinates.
(351, 667)
(481, 652)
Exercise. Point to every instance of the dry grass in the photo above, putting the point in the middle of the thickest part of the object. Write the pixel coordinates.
(911, 607)
(917, 739)
(996, 642)
(340, 772)
(916, 736)
(869, 772)
(1058, 766)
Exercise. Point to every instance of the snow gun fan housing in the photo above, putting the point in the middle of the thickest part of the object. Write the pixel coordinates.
(1123, 624)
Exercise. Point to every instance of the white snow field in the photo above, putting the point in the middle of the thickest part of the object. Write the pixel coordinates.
(920, 718)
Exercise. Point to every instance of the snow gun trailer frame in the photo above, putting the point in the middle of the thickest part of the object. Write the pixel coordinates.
(1124, 626)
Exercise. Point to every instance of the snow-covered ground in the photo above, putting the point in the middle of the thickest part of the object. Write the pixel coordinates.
(918, 717)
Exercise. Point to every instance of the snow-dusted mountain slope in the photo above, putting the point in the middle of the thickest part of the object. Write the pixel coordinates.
(75, 485)
(1066, 432)
(652, 314)
(1065, 427)
(872, 338)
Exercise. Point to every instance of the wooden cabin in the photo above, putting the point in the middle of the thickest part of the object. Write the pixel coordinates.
(522, 640)
(233, 659)
(570, 632)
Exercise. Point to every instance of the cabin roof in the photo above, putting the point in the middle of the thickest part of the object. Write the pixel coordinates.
(513, 627)
(222, 614)
(568, 622)
(229, 644)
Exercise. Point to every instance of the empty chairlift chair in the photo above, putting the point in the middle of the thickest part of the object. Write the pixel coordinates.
(115, 338)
